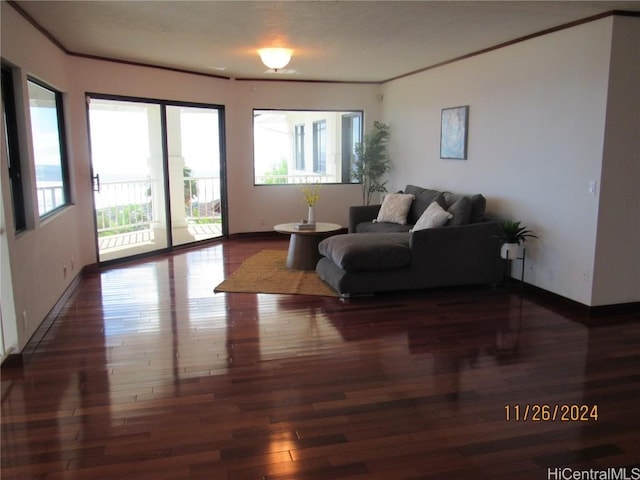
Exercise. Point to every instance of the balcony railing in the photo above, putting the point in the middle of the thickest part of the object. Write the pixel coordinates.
(123, 207)
(50, 197)
(202, 199)
(274, 179)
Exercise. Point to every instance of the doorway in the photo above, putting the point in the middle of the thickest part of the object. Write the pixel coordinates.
(157, 172)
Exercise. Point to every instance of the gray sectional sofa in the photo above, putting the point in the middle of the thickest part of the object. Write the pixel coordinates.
(377, 256)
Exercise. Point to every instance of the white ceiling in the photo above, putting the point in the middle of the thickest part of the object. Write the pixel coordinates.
(370, 41)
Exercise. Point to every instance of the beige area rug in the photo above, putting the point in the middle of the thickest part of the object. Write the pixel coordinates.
(266, 272)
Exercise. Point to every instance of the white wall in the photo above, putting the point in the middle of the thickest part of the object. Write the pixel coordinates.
(36, 256)
(536, 137)
(8, 331)
(617, 261)
(258, 208)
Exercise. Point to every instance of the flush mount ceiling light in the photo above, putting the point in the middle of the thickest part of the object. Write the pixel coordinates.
(275, 58)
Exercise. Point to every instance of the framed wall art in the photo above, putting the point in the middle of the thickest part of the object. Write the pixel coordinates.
(454, 131)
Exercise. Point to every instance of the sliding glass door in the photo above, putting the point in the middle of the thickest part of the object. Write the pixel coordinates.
(156, 175)
(129, 179)
(194, 173)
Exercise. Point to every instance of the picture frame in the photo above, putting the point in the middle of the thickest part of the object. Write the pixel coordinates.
(454, 132)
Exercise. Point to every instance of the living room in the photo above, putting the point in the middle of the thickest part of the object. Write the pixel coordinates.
(550, 117)
(553, 122)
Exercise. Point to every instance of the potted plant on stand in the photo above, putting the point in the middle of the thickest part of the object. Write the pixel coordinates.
(512, 235)
(372, 161)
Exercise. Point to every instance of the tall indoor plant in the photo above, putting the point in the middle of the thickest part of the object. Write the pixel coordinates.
(372, 161)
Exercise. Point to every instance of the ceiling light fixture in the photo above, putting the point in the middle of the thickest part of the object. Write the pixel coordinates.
(275, 58)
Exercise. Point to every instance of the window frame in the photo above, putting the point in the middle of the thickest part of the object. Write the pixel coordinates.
(12, 144)
(320, 147)
(334, 151)
(62, 145)
(299, 146)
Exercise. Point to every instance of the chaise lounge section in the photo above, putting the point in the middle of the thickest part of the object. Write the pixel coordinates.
(378, 256)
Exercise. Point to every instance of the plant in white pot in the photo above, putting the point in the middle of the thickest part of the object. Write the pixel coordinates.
(512, 235)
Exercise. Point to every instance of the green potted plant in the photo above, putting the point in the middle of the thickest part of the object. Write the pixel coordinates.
(372, 161)
(513, 235)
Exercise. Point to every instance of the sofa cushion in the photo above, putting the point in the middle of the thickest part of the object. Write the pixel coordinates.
(478, 204)
(361, 252)
(395, 207)
(461, 211)
(433, 216)
(381, 227)
(424, 197)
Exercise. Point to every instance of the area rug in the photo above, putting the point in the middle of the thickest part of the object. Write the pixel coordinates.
(266, 272)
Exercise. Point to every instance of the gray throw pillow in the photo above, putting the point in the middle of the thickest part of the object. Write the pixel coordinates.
(461, 211)
(424, 198)
(478, 204)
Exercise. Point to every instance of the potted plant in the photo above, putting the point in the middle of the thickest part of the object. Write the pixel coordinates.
(512, 235)
(311, 195)
(372, 161)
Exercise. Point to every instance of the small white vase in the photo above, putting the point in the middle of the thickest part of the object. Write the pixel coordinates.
(510, 251)
(311, 218)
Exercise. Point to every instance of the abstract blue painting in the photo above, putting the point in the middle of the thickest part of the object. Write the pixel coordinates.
(453, 132)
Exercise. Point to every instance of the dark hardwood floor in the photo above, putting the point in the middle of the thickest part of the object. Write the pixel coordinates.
(147, 374)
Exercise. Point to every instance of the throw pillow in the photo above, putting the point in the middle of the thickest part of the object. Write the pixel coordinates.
(424, 197)
(478, 204)
(433, 216)
(395, 207)
(461, 211)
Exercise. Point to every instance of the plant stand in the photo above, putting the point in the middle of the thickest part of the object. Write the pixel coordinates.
(508, 269)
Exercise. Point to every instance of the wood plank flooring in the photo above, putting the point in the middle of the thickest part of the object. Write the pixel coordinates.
(147, 374)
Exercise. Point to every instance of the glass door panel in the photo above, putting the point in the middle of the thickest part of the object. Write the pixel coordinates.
(129, 181)
(193, 142)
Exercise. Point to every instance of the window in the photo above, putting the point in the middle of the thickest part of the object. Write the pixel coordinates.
(281, 147)
(320, 147)
(49, 153)
(351, 131)
(299, 147)
(13, 150)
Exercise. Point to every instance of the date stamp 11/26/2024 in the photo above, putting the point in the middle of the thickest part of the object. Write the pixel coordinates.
(540, 412)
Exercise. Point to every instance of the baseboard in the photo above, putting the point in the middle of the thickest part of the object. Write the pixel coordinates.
(589, 315)
(13, 360)
(269, 234)
(44, 327)
(617, 309)
(272, 234)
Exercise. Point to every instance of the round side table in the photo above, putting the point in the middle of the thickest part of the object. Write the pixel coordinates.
(303, 245)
